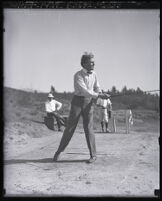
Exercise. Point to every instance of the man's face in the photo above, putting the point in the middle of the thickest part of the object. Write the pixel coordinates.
(49, 98)
(89, 64)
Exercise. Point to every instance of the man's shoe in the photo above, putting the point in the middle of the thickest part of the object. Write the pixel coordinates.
(92, 159)
(108, 131)
(56, 157)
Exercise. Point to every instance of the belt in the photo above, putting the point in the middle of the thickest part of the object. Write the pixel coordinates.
(79, 96)
(82, 97)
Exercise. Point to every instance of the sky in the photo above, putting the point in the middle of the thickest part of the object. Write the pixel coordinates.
(43, 47)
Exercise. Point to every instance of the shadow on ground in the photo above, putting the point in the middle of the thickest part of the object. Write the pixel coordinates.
(44, 160)
(39, 122)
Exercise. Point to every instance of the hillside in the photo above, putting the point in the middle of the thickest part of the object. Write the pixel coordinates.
(23, 105)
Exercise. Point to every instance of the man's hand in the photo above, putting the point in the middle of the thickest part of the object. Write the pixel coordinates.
(103, 96)
(55, 114)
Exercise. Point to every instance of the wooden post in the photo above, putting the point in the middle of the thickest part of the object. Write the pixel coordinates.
(114, 124)
(127, 121)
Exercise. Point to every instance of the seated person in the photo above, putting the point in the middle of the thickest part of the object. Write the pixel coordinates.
(51, 107)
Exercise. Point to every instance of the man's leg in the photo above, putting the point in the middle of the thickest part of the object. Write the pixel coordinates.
(51, 120)
(106, 125)
(106, 120)
(88, 129)
(69, 130)
(61, 120)
(58, 123)
(107, 130)
(102, 126)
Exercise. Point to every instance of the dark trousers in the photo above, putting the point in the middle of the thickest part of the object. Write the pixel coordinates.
(80, 106)
(50, 114)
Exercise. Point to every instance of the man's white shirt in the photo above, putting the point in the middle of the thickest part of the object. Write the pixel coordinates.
(86, 84)
(104, 103)
(52, 106)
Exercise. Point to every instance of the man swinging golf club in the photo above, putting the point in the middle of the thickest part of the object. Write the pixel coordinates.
(86, 88)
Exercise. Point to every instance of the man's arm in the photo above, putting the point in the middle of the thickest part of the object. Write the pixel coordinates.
(98, 90)
(58, 105)
(80, 85)
(97, 86)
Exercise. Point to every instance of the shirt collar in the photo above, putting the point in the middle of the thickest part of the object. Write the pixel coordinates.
(85, 71)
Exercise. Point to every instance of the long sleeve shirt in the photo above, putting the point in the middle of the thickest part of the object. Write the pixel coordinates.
(86, 84)
(107, 104)
(52, 106)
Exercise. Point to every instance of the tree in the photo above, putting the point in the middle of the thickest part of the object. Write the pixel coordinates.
(139, 91)
(113, 90)
(124, 90)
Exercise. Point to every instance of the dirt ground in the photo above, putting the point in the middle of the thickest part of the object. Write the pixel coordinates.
(127, 165)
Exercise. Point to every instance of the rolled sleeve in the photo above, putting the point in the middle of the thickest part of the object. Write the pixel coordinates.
(97, 85)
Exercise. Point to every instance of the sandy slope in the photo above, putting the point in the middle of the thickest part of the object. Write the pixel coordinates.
(127, 165)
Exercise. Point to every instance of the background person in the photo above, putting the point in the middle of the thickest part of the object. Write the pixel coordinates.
(128, 119)
(51, 107)
(106, 110)
(86, 88)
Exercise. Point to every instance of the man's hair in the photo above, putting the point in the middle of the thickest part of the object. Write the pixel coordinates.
(86, 56)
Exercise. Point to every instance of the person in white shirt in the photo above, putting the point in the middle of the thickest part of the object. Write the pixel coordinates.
(129, 119)
(87, 89)
(106, 110)
(51, 107)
